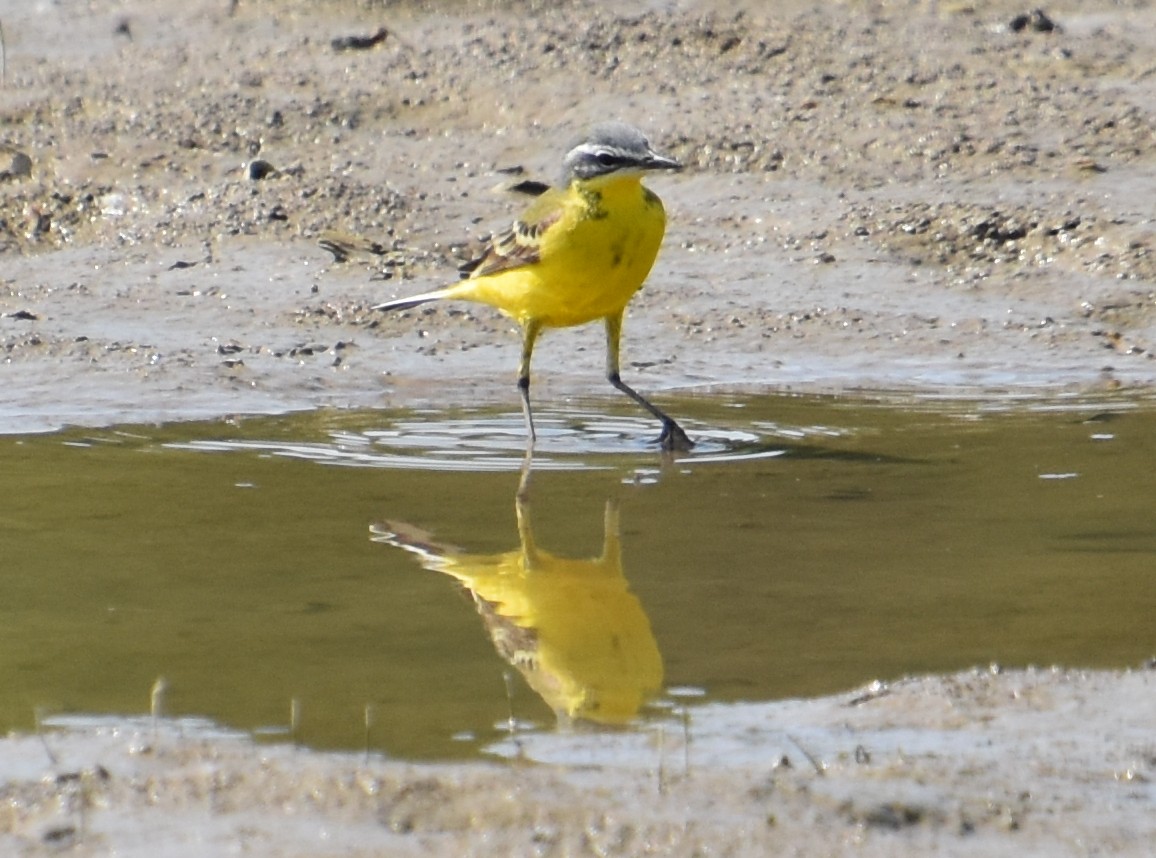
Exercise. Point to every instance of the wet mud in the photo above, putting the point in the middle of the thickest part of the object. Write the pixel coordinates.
(984, 763)
(876, 196)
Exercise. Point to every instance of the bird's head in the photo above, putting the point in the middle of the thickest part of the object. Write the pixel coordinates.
(614, 148)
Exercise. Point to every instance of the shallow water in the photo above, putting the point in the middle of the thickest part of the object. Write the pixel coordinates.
(808, 545)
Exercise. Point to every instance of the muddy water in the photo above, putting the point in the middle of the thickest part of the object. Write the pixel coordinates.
(808, 545)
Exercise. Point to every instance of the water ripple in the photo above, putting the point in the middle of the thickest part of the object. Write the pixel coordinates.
(473, 442)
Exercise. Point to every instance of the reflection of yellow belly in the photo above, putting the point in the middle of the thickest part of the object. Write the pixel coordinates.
(594, 655)
(591, 262)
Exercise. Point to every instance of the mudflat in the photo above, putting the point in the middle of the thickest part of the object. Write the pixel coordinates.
(900, 196)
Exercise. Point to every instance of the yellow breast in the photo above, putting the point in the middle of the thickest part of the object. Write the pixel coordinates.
(591, 261)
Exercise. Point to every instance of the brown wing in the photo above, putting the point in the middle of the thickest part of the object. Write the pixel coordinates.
(520, 244)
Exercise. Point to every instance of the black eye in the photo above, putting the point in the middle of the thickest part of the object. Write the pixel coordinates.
(606, 159)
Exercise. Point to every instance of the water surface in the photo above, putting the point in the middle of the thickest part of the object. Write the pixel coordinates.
(807, 546)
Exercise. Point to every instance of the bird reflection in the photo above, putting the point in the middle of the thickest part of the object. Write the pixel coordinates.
(571, 627)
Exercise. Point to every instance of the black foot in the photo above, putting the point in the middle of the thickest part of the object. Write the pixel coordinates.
(673, 439)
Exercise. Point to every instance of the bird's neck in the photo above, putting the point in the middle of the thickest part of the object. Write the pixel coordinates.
(608, 188)
(623, 180)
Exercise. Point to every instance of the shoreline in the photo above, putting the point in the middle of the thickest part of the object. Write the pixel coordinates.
(957, 764)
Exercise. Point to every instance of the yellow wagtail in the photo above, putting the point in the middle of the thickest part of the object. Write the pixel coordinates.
(577, 254)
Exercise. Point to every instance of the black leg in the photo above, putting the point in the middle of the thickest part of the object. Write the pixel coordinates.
(529, 337)
(672, 437)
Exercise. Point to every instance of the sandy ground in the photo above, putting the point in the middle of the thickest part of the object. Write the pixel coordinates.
(1020, 763)
(881, 195)
(923, 196)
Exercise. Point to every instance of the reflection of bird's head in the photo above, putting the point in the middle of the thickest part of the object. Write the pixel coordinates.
(614, 148)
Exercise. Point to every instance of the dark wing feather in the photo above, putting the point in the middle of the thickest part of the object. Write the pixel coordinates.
(520, 244)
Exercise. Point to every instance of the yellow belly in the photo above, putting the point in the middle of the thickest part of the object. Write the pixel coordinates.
(591, 262)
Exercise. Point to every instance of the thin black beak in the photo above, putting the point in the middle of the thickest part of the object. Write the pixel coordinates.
(654, 161)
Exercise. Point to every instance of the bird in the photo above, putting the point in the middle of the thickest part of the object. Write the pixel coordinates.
(577, 254)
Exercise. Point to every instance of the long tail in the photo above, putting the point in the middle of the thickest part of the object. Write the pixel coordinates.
(412, 301)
